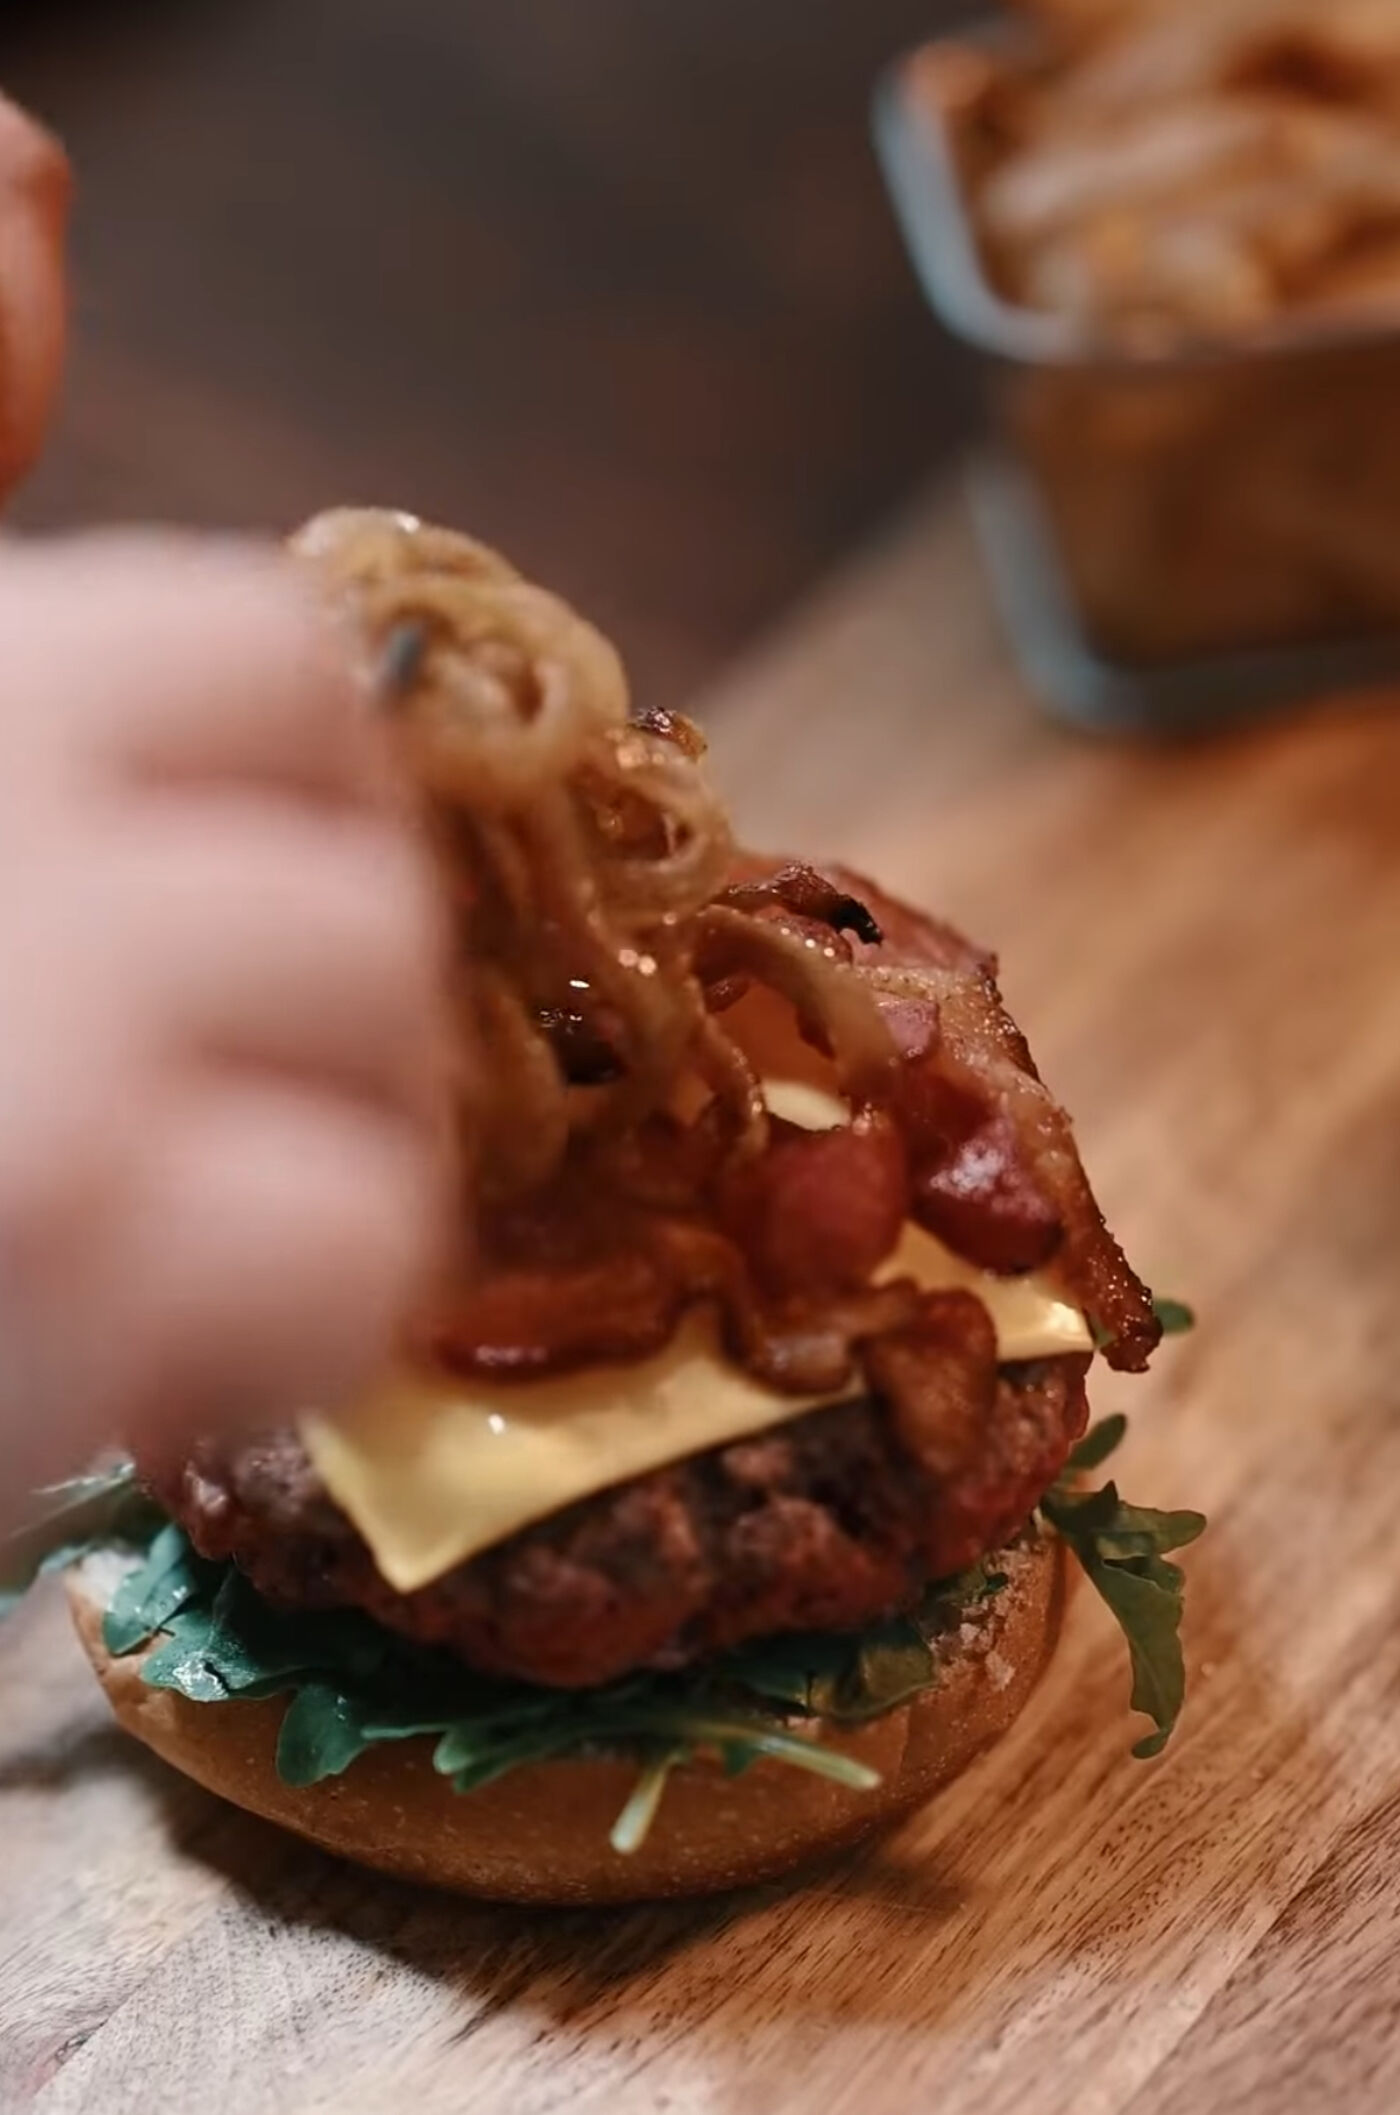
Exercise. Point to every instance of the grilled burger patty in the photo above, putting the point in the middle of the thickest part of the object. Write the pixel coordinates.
(827, 1522)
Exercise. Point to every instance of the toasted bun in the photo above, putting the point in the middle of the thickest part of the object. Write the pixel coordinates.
(540, 1834)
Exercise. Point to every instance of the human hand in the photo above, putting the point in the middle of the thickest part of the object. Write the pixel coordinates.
(220, 1129)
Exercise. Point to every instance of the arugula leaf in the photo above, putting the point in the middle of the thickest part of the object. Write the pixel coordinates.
(1120, 1531)
(947, 1601)
(981, 1582)
(178, 1660)
(784, 1669)
(70, 1521)
(484, 1763)
(1098, 1443)
(829, 1676)
(1148, 1609)
(171, 1577)
(893, 1663)
(700, 1729)
(1175, 1317)
(321, 1734)
(1123, 1551)
(633, 1824)
(466, 1740)
(351, 1684)
(258, 1650)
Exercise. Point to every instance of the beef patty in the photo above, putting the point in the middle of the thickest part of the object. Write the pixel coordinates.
(824, 1523)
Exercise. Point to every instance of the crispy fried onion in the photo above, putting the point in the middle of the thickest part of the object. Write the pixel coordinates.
(624, 1164)
(585, 852)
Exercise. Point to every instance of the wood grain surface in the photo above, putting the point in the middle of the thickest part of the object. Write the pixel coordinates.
(1203, 943)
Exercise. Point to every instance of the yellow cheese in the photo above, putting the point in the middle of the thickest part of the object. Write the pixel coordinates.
(1032, 1320)
(432, 1471)
(798, 1102)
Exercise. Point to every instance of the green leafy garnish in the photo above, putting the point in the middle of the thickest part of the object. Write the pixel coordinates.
(851, 1679)
(1098, 1443)
(322, 1732)
(147, 1598)
(633, 1824)
(1123, 1550)
(71, 1520)
(856, 1678)
(350, 1685)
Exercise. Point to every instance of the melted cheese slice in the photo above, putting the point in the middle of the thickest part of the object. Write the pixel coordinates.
(432, 1471)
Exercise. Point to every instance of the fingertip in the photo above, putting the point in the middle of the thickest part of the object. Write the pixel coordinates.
(188, 657)
(283, 1239)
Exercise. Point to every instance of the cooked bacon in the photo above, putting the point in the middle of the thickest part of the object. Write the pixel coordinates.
(566, 1309)
(913, 1027)
(980, 1050)
(782, 1237)
(819, 1211)
(939, 1375)
(985, 1205)
(989, 1461)
(911, 938)
(980, 1057)
(523, 1324)
(799, 1346)
(971, 1183)
(808, 895)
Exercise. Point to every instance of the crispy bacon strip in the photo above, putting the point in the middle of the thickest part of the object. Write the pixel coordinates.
(820, 1211)
(985, 1203)
(785, 1239)
(978, 1058)
(989, 1459)
(809, 896)
(524, 1320)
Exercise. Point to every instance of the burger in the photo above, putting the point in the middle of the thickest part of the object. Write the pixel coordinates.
(718, 1505)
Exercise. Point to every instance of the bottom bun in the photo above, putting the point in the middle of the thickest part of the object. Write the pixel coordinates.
(540, 1834)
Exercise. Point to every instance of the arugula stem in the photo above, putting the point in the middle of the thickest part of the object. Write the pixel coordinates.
(633, 1824)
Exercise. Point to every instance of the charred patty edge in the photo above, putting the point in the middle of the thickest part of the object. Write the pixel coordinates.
(824, 1522)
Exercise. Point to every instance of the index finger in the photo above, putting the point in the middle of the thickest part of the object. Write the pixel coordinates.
(184, 659)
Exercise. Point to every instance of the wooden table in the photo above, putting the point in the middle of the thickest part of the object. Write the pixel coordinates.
(1204, 944)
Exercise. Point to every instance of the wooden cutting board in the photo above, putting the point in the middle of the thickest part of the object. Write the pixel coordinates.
(1204, 944)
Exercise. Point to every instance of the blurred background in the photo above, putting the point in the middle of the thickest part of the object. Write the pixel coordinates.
(612, 283)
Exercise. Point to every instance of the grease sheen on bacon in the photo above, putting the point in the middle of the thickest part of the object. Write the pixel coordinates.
(997, 1172)
(958, 1131)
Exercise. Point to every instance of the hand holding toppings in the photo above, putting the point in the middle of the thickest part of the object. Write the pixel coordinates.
(219, 954)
